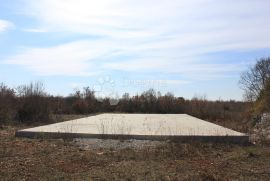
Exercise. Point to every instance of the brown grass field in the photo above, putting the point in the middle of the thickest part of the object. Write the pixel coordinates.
(42, 159)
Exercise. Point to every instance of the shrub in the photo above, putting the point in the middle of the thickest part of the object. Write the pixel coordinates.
(33, 103)
(80, 106)
(7, 104)
(262, 103)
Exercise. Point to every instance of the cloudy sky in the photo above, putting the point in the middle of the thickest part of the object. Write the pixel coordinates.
(187, 47)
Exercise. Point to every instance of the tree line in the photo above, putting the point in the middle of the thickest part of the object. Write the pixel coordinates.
(31, 103)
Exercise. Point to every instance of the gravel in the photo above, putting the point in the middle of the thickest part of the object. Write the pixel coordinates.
(95, 144)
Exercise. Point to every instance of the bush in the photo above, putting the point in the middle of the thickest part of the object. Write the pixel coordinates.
(33, 103)
(7, 104)
(80, 106)
(262, 104)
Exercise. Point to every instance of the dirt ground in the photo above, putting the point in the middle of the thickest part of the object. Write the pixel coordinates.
(37, 159)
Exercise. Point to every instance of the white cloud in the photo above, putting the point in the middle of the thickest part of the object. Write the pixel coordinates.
(141, 36)
(68, 59)
(5, 25)
(177, 82)
(139, 18)
(188, 68)
(35, 30)
(85, 58)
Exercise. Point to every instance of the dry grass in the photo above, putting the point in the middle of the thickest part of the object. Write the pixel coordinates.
(32, 159)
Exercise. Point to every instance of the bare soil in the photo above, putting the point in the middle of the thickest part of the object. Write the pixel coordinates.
(37, 159)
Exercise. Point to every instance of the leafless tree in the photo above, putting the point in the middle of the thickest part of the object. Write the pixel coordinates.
(33, 89)
(254, 80)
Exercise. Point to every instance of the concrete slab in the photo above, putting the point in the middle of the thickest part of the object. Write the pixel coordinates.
(180, 127)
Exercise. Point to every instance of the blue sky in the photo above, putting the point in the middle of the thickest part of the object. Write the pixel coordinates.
(187, 47)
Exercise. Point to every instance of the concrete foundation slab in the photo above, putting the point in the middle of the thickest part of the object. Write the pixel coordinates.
(177, 127)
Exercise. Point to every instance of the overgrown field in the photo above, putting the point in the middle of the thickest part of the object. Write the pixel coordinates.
(33, 159)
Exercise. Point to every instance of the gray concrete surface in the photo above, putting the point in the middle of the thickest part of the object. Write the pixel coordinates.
(138, 126)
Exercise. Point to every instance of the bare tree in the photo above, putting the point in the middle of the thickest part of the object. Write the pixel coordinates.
(254, 80)
(33, 89)
(88, 93)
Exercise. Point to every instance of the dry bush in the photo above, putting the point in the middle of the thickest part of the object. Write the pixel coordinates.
(33, 103)
(80, 106)
(262, 105)
(7, 104)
